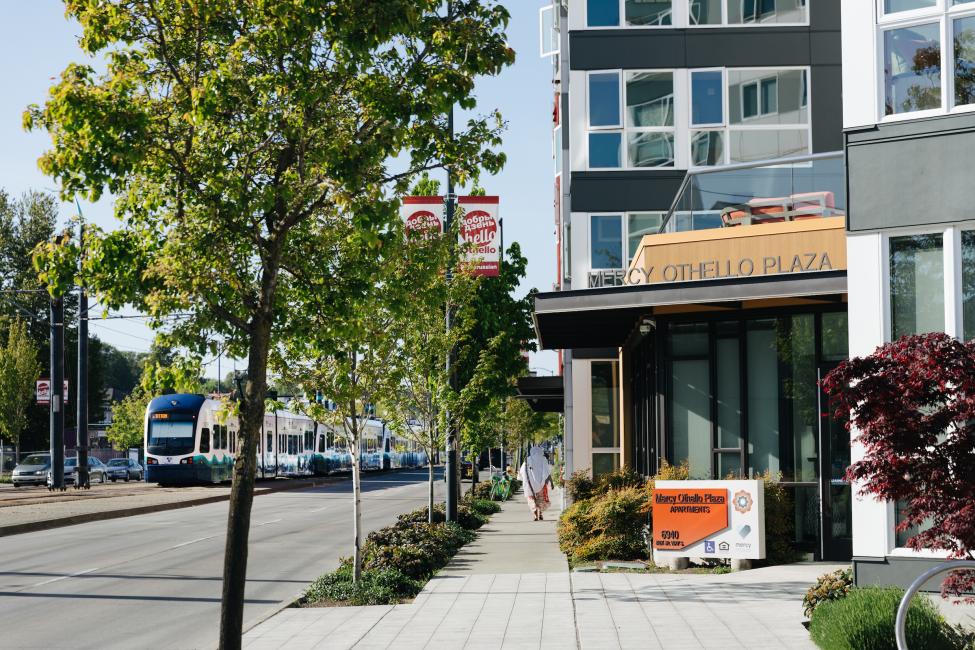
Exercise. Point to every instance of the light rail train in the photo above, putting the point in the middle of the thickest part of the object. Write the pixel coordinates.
(190, 439)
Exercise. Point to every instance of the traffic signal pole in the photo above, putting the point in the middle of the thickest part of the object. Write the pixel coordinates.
(57, 393)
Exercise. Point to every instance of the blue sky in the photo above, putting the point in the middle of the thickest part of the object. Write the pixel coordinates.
(36, 43)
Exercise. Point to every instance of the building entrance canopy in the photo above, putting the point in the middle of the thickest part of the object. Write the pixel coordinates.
(591, 318)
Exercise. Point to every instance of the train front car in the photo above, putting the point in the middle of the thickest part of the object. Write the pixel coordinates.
(172, 441)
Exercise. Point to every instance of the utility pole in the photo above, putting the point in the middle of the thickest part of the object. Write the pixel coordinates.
(82, 395)
(57, 393)
(453, 485)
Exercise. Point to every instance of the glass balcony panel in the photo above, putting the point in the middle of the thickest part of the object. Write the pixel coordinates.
(787, 189)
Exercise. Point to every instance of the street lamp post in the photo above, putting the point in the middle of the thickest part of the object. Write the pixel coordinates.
(451, 465)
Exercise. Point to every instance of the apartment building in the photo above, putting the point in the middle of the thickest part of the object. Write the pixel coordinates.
(700, 201)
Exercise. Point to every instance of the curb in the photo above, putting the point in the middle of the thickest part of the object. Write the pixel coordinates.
(48, 524)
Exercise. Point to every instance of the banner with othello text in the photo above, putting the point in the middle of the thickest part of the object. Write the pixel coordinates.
(480, 228)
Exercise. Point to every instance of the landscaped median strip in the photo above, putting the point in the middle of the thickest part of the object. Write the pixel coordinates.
(398, 560)
(58, 522)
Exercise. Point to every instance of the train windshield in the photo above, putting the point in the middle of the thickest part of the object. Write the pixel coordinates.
(170, 438)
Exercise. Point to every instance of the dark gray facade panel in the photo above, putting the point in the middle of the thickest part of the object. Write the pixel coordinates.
(617, 48)
(909, 174)
(747, 47)
(825, 48)
(825, 15)
(625, 190)
(826, 83)
(700, 48)
(894, 571)
(564, 119)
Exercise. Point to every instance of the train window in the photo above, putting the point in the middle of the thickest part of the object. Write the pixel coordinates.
(387, 445)
(309, 441)
(233, 442)
(270, 443)
(204, 441)
(321, 444)
(221, 441)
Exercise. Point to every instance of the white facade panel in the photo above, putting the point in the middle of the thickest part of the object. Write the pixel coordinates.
(581, 416)
(577, 121)
(860, 82)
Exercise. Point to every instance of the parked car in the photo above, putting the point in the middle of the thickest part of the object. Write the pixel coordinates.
(125, 469)
(33, 470)
(97, 471)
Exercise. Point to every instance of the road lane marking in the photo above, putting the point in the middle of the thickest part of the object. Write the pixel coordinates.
(192, 541)
(59, 578)
(265, 523)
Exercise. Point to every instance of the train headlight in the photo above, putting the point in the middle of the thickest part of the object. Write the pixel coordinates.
(151, 461)
(186, 461)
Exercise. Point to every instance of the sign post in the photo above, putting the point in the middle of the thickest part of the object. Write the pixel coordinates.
(709, 519)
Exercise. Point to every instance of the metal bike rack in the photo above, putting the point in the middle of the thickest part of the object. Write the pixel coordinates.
(901, 622)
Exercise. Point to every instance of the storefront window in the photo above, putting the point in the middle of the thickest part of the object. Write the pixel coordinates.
(968, 283)
(801, 389)
(691, 396)
(763, 397)
(604, 464)
(729, 395)
(605, 404)
(917, 301)
(836, 336)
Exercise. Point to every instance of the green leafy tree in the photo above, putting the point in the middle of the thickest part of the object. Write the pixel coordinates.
(19, 370)
(237, 136)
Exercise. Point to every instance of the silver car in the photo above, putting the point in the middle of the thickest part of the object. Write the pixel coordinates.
(125, 469)
(96, 471)
(33, 470)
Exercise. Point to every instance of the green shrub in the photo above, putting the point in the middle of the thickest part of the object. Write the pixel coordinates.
(515, 486)
(480, 491)
(466, 516)
(864, 620)
(484, 507)
(375, 587)
(624, 477)
(780, 526)
(415, 549)
(580, 486)
(829, 586)
(610, 526)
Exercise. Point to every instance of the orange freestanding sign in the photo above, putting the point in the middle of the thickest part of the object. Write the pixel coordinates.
(684, 517)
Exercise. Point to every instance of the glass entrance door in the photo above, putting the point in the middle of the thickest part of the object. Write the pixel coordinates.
(835, 490)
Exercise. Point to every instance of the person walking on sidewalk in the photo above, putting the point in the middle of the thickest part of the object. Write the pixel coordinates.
(536, 475)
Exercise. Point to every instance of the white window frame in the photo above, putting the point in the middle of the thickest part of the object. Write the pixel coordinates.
(617, 451)
(554, 9)
(625, 229)
(680, 18)
(682, 129)
(943, 13)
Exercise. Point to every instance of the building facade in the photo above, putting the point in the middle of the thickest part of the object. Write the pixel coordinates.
(701, 218)
(909, 121)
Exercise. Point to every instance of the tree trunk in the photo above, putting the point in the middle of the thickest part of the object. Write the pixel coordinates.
(356, 516)
(242, 490)
(432, 482)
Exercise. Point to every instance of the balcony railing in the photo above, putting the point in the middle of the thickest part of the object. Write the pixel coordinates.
(786, 189)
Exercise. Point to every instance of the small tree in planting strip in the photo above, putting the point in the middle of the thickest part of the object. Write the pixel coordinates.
(912, 403)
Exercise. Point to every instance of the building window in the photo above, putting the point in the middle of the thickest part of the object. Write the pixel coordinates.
(923, 39)
(746, 12)
(605, 400)
(707, 99)
(637, 13)
(637, 225)
(917, 299)
(768, 114)
(968, 284)
(650, 119)
(606, 242)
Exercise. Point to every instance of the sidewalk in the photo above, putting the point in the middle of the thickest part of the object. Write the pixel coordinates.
(511, 589)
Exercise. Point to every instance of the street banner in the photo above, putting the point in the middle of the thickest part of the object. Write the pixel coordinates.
(709, 519)
(480, 231)
(43, 389)
(423, 214)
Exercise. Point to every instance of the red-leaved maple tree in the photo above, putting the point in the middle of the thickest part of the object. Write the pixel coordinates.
(912, 403)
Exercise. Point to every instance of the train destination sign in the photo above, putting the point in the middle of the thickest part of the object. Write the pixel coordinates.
(709, 519)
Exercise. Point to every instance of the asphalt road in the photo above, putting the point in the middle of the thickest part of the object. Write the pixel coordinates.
(154, 581)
